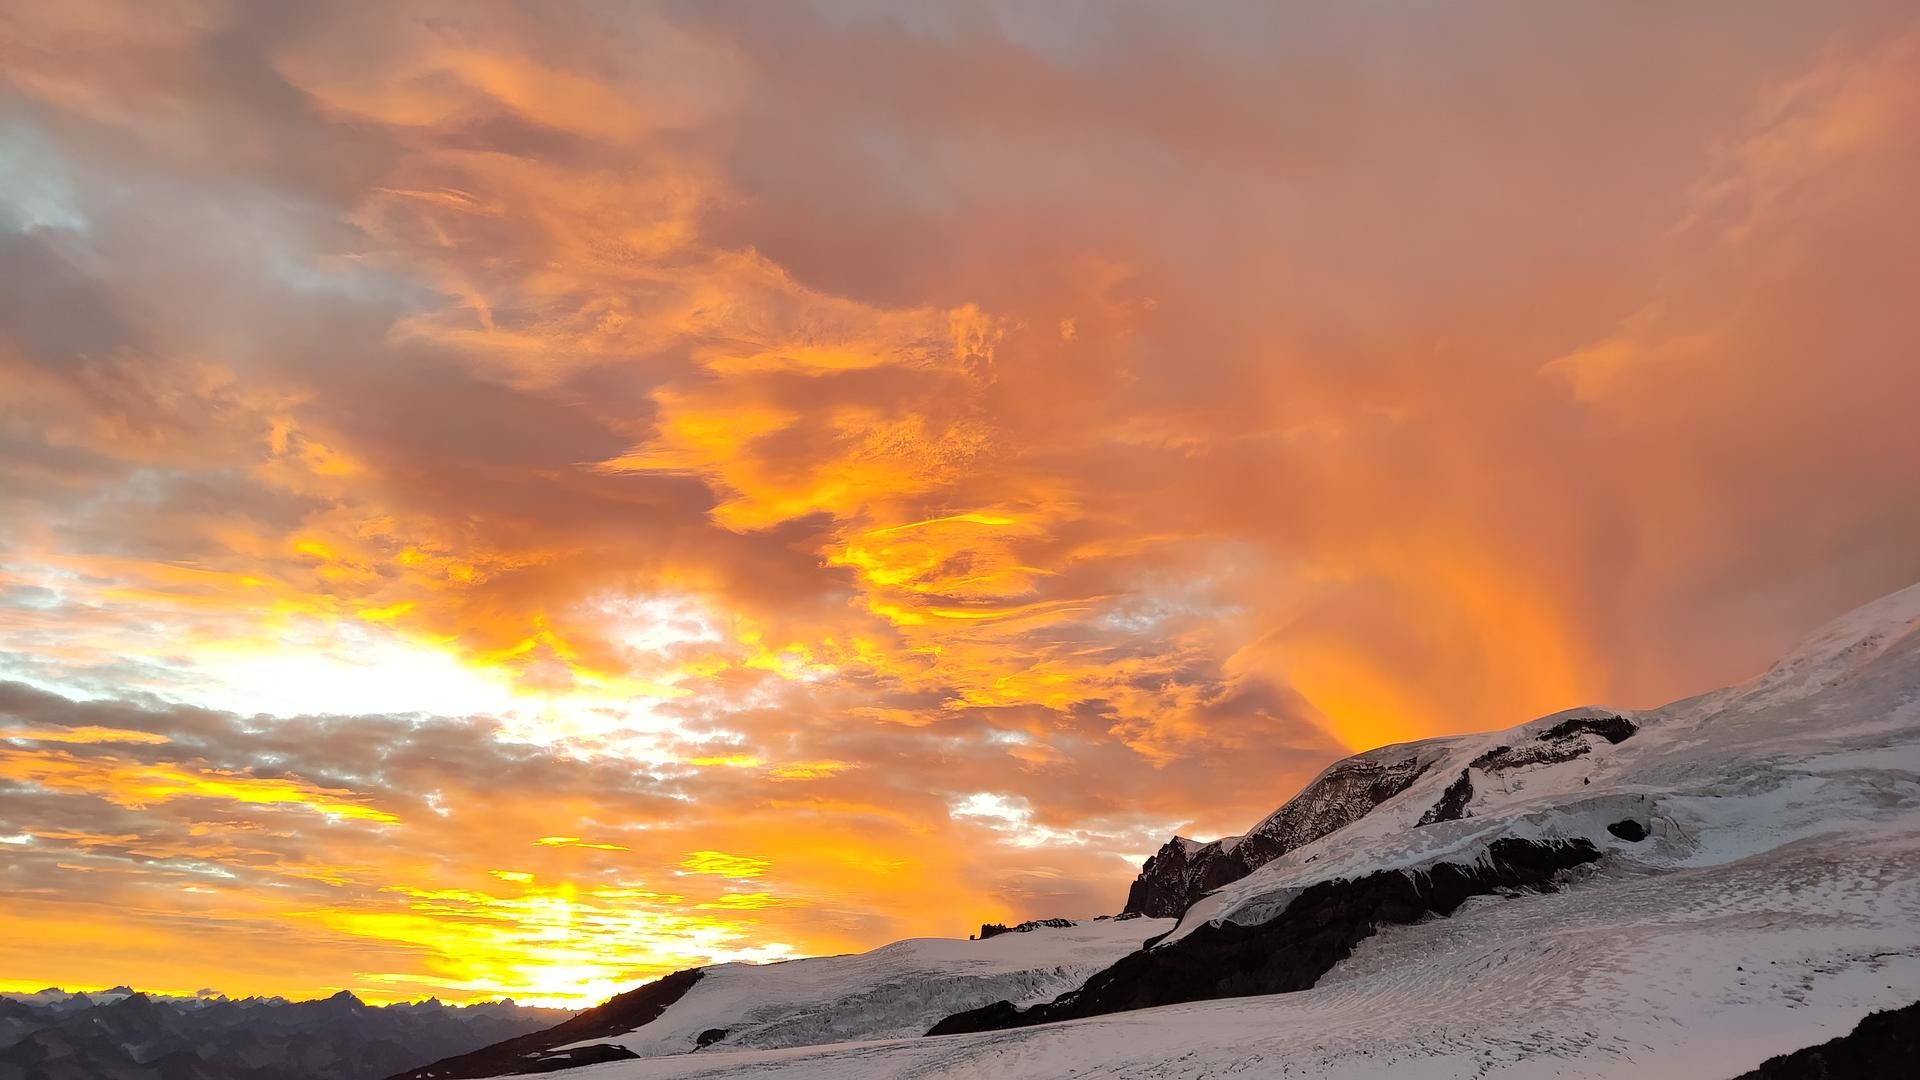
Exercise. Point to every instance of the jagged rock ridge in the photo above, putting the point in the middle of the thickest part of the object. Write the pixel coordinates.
(988, 930)
(1453, 802)
(1184, 870)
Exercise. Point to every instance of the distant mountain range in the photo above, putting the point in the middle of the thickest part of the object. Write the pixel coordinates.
(120, 1034)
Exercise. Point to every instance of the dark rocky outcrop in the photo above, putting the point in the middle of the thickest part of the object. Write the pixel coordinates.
(1294, 949)
(1502, 758)
(1629, 830)
(536, 1053)
(1453, 802)
(1614, 729)
(1561, 742)
(556, 1060)
(992, 929)
(1885, 1044)
(1183, 871)
(709, 1037)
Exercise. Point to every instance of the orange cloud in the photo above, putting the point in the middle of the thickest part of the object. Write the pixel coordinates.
(574, 841)
(89, 734)
(137, 786)
(723, 865)
(555, 458)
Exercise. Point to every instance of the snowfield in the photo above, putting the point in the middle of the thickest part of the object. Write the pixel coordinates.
(1758, 891)
(896, 991)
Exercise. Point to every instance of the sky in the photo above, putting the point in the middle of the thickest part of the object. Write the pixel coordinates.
(516, 500)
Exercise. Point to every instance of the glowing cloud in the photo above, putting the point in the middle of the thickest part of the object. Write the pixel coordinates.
(89, 734)
(574, 841)
(467, 476)
(723, 865)
(137, 786)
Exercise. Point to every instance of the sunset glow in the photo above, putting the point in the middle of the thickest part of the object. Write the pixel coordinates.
(514, 501)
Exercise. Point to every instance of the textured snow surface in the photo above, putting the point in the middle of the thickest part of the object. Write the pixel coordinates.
(1774, 902)
(899, 990)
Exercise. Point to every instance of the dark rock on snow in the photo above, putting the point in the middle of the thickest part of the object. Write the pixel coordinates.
(1614, 729)
(988, 930)
(1561, 742)
(1183, 870)
(555, 1060)
(1453, 802)
(1502, 758)
(1629, 830)
(1295, 948)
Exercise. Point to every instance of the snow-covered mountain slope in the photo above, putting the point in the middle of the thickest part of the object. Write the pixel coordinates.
(896, 991)
(1733, 876)
(1816, 743)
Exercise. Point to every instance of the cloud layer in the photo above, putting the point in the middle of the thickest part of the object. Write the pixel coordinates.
(516, 499)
